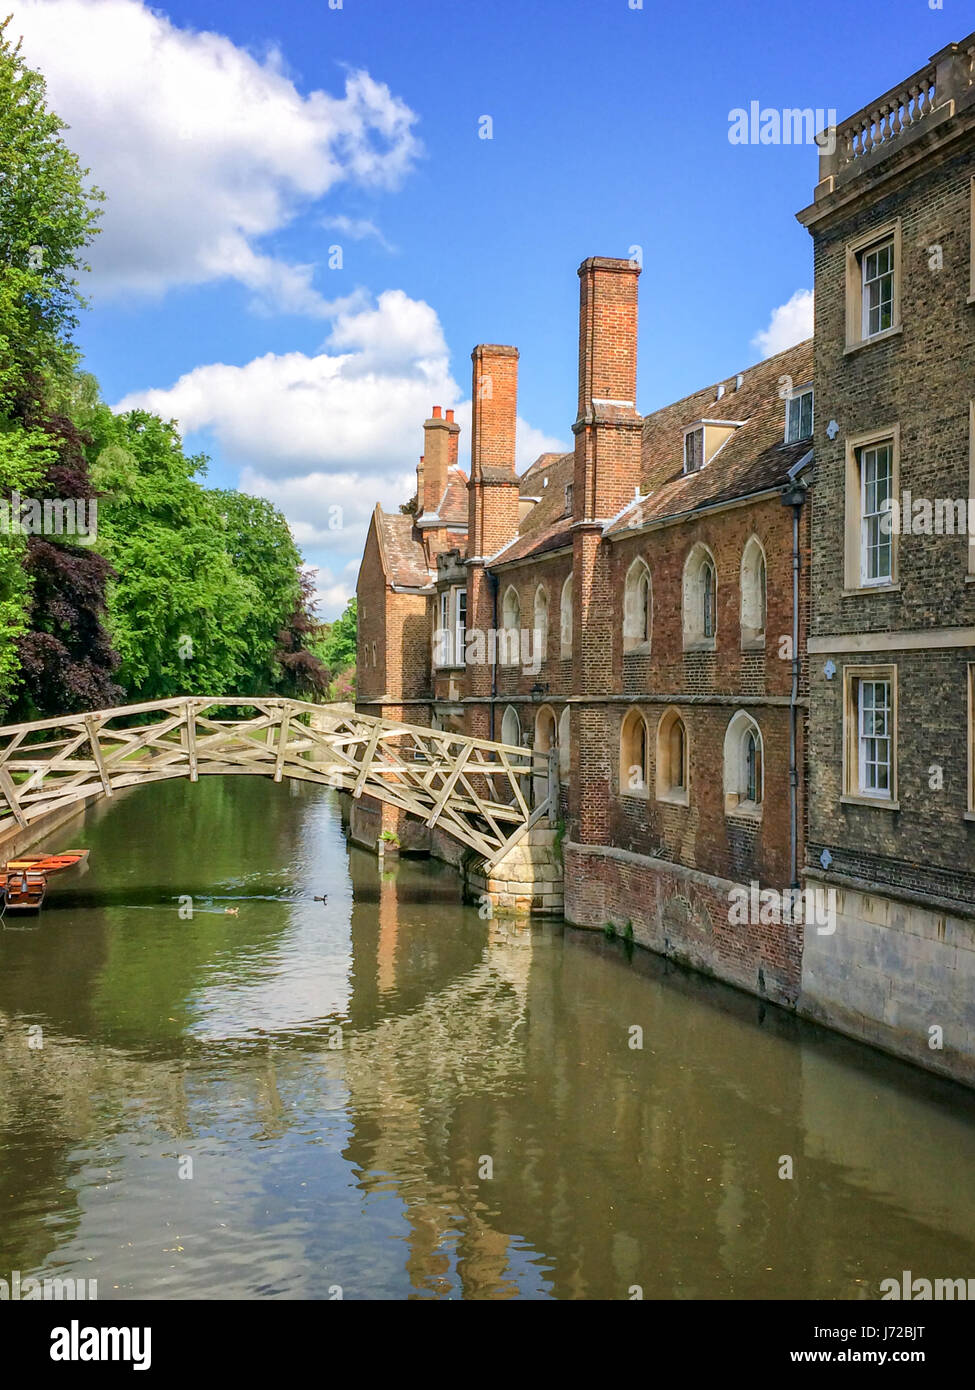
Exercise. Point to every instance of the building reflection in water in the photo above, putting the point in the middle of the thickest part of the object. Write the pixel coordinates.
(485, 1130)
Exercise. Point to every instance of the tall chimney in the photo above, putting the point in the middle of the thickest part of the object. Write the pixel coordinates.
(608, 434)
(608, 429)
(493, 486)
(454, 441)
(440, 453)
(436, 450)
(419, 486)
(492, 494)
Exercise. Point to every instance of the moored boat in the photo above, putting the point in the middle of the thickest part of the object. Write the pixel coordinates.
(23, 890)
(23, 881)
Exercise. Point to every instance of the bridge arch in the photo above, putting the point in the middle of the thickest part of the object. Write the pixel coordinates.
(476, 790)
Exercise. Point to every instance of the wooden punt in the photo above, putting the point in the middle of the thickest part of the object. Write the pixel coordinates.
(23, 881)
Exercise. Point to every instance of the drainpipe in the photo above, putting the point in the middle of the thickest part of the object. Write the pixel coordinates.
(494, 663)
(794, 497)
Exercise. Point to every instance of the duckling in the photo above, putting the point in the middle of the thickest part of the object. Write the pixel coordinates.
(322, 899)
(231, 911)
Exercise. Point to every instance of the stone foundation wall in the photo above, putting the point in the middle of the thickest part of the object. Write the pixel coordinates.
(527, 880)
(369, 818)
(684, 914)
(892, 972)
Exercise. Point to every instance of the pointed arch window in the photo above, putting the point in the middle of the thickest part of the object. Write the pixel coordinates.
(637, 608)
(565, 607)
(700, 599)
(744, 766)
(673, 762)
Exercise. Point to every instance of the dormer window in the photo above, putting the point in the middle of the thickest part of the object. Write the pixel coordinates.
(694, 449)
(799, 415)
(705, 438)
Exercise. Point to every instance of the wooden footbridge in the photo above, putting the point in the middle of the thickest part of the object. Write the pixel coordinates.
(479, 792)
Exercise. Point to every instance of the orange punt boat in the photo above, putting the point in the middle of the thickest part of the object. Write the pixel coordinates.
(24, 880)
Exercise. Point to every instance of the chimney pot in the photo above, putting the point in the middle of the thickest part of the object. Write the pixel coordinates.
(436, 412)
(450, 417)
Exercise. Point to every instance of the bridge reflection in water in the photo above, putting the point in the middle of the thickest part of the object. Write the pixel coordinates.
(361, 1166)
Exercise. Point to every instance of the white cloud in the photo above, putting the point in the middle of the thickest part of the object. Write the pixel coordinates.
(790, 324)
(202, 148)
(357, 229)
(325, 437)
(332, 592)
(356, 409)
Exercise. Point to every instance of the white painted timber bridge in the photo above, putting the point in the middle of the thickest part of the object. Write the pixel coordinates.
(475, 790)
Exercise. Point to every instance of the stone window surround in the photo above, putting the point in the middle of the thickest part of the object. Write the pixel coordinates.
(692, 600)
(663, 781)
(565, 620)
(636, 619)
(740, 723)
(852, 579)
(855, 251)
(852, 795)
(752, 638)
(452, 594)
(633, 718)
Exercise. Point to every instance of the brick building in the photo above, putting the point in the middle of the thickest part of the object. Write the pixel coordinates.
(633, 606)
(892, 645)
(694, 628)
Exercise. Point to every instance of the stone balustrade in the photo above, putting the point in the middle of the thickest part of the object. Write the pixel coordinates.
(918, 104)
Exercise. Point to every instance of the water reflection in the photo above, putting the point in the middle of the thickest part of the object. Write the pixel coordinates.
(384, 1094)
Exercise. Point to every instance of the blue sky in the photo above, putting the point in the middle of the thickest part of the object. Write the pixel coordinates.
(239, 142)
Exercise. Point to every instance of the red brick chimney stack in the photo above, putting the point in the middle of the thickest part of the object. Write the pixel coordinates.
(493, 486)
(436, 452)
(608, 429)
(492, 494)
(608, 434)
(454, 440)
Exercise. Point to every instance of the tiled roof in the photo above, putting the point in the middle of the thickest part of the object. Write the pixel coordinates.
(546, 526)
(453, 505)
(753, 459)
(404, 560)
(552, 537)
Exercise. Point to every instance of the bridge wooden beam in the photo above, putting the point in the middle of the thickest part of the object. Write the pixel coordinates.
(96, 753)
(282, 744)
(10, 792)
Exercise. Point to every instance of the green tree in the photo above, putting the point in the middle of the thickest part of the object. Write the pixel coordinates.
(208, 597)
(47, 220)
(337, 647)
(51, 595)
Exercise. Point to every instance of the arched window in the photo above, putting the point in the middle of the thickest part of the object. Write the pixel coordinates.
(753, 595)
(564, 751)
(566, 619)
(540, 649)
(634, 755)
(673, 761)
(744, 766)
(700, 599)
(546, 736)
(511, 727)
(511, 627)
(637, 608)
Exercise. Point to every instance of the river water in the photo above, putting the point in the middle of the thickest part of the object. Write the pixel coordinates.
(383, 1096)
